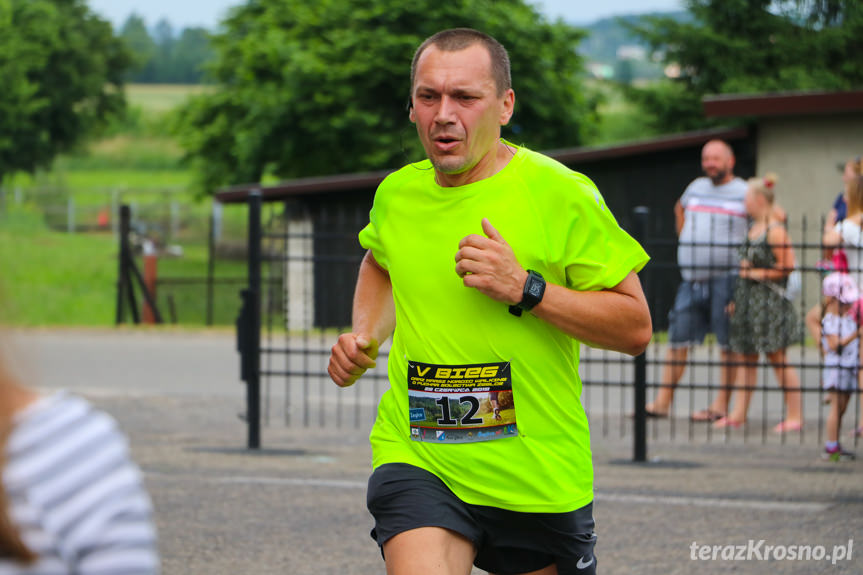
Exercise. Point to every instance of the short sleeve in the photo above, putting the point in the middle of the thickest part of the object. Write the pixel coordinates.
(599, 253)
(687, 194)
(851, 233)
(370, 237)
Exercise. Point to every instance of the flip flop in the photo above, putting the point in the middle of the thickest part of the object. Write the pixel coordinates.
(784, 426)
(649, 414)
(724, 422)
(706, 415)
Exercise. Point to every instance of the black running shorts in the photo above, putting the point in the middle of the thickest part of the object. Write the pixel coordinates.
(402, 497)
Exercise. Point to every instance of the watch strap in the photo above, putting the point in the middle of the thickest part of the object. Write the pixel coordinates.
(534, 289)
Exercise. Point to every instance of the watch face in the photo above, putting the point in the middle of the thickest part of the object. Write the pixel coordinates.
(535, 289)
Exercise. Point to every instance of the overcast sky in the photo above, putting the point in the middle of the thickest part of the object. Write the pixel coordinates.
(207, 13)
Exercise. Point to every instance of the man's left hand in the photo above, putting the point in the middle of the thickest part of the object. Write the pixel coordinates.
(489, 265)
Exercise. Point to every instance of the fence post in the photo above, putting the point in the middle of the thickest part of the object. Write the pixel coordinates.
(123, 270)
(211, 262)
(640, 216)
(151, 263)
(253, 383)
(115, 206)
(174, 225)
(70, 214)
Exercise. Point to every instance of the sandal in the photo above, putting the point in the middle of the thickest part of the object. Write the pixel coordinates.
(725, 422)
(649, 414)
(706, 415)
(787, 425)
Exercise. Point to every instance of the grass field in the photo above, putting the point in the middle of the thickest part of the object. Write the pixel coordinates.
(52, 278)
(56, 279)
(161, 97)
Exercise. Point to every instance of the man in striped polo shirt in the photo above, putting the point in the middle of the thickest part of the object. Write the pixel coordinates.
(711, 224)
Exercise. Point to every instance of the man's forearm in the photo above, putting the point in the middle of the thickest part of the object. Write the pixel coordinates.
(617, 319)
(373, 310)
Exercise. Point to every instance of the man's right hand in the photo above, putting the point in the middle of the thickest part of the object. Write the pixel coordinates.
(351, 356)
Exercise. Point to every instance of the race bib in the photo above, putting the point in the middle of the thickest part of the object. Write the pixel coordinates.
(460, 403)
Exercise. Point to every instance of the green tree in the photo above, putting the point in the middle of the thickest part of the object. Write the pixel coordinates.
(61, 68)
(163, 61)
(310, 88)
(191, 51)
(751, 46)
(624, 71)
(143, 48)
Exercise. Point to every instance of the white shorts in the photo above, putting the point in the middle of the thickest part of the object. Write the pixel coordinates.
(837, 378)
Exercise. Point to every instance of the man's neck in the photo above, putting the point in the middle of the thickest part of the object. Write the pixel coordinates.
(489, 165)
(723, 181)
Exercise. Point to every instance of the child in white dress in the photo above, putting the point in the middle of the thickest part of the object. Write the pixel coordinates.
(840, 344)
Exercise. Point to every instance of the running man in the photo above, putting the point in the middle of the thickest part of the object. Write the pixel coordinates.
(489, 264)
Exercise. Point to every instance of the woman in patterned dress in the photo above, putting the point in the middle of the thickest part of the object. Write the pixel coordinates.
(763, 319)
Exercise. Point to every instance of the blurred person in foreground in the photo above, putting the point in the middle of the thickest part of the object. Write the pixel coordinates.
(489, 264)
(71, 501)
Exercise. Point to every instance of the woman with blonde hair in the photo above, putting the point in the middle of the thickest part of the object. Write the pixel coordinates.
(763, 319)
(71, 500)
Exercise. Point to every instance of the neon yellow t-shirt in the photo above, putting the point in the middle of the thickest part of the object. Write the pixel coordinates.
(557, 224)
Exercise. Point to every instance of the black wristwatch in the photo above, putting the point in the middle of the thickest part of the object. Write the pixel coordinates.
(534, 288)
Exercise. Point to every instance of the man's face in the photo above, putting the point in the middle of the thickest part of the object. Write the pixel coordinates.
(458, 112)
(716, 162)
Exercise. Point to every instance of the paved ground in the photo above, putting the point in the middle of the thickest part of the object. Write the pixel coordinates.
(298, 505)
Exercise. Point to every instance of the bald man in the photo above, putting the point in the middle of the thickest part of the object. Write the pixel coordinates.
(711, 224)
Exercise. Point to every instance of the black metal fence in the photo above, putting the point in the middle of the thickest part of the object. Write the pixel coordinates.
(306, 270)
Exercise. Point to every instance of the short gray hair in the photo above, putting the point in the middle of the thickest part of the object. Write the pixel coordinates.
(456, 39)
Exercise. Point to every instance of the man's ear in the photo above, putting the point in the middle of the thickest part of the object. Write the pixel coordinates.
(508, 107)
(411, 110)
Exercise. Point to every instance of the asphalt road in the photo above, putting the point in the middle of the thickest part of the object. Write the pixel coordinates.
(298, 505)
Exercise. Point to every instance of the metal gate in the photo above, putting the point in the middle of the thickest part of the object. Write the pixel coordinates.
(303, 263)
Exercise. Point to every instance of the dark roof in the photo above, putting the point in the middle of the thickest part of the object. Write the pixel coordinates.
(782, 104)
(569, 156)
(574, 156)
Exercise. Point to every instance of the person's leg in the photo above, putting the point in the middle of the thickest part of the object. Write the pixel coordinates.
(729, 372)
(838, 403)
(858, 431)
(744, 387)
(789, 381)
(672, 371)
(722, 290)
(421, 526)
(536, 543)
(429, 551)
(687, 326)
